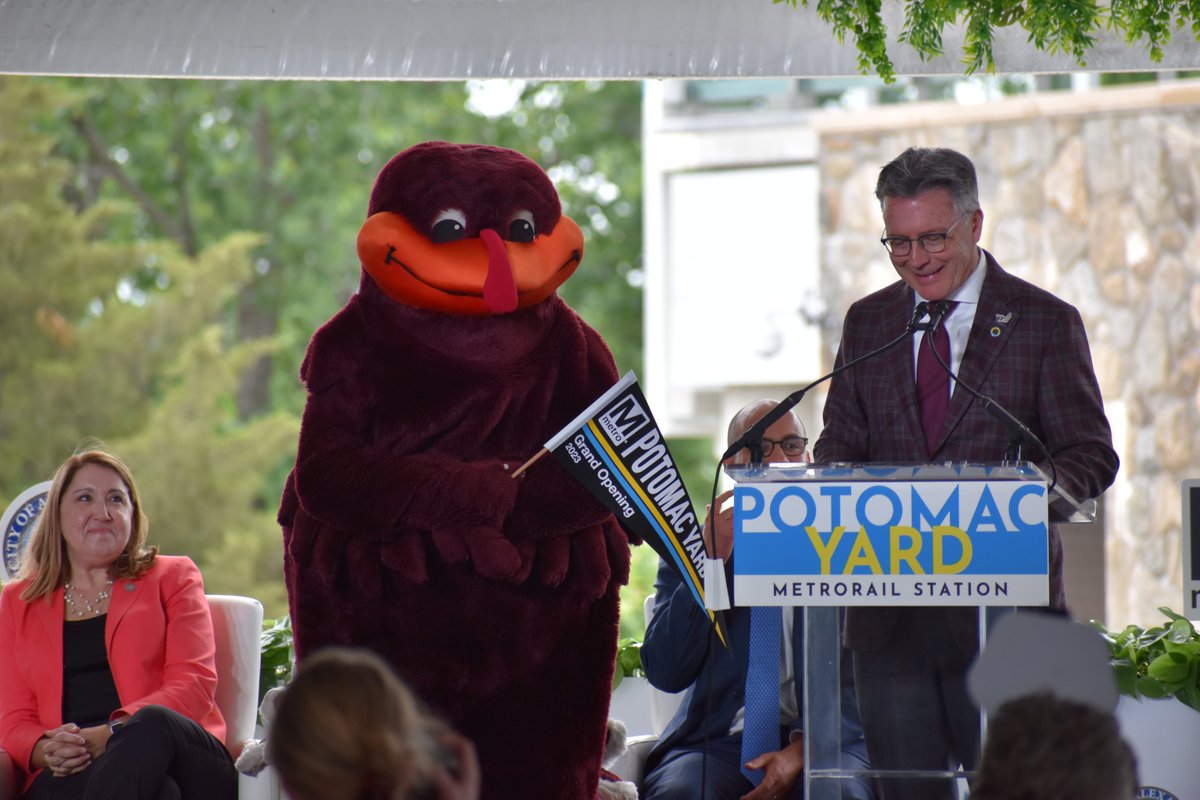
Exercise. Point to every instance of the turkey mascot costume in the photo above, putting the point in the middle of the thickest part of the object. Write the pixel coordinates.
(404, 529)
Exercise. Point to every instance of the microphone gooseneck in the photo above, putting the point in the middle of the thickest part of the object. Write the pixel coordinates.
(1018, 430)
(937, 313)
(752, 438)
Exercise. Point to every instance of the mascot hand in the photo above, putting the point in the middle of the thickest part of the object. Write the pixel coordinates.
(362, 561)
(406, 556)
(493, 555)
(553, 559)
(589, 561)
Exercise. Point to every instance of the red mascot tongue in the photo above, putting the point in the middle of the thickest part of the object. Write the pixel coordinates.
(499, 289)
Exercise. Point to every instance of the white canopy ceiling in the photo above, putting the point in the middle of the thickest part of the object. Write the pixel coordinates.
(462, 39)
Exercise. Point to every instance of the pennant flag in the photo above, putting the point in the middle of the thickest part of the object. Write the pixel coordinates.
(616, 450)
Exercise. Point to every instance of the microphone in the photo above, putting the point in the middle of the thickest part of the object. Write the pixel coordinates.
(1018, 430)
(752, 438)
(937, 313)
(921, 310)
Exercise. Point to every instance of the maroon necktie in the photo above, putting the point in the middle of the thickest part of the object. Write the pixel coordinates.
(933, 382)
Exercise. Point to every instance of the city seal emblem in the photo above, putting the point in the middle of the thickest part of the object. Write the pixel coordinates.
(16, 526)
(1154, 793)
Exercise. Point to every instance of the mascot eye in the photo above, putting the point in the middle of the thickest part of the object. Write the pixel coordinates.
(449, 226)
(521, 228)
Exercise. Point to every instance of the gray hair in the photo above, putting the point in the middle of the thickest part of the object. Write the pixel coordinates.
(920, 169)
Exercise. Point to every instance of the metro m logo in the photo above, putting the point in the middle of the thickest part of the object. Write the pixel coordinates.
(624, 419)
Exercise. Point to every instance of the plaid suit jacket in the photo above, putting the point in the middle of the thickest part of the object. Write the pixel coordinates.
(1027, 350)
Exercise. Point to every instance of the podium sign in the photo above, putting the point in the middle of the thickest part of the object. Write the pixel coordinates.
(965, 535)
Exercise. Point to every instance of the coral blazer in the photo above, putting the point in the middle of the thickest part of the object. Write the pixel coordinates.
(161, 650)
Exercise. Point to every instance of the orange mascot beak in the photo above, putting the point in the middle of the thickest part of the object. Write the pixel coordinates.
(475, 277)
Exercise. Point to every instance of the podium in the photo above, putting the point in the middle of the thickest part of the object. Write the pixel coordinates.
(832, 536)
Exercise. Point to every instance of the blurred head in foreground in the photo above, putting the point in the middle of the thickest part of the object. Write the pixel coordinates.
(348, 729)
(1041, 747)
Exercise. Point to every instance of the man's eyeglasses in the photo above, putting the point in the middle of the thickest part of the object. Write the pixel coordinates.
(930, 242)
(791, 446)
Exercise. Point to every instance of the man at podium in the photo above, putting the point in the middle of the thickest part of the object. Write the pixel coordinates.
(680, 652)
(1009, 341)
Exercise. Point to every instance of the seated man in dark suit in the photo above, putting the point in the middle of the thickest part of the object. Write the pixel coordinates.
(679, 653)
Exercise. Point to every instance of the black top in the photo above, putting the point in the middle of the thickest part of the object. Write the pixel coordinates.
(89, 693)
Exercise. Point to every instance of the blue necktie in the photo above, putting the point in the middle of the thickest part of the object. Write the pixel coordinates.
(760, 733)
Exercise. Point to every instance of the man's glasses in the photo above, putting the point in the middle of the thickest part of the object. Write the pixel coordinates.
(930, 242)
(791, 446)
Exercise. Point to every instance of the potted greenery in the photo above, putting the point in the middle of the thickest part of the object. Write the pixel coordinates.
(631, 695)
(1157, 662)
(629, 662)
(1158, 674)
(277, 656)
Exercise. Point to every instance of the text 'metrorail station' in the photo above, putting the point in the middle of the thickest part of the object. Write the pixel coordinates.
(972, 542)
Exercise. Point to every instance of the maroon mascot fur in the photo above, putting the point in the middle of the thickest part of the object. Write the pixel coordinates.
(404, 530)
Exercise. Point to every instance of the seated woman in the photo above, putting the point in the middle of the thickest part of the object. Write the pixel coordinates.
(107, 677)
(346, 728)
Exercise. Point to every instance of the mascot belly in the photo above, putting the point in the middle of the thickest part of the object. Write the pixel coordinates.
(404, 531)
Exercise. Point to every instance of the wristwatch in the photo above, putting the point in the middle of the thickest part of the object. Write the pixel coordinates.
(116, 725)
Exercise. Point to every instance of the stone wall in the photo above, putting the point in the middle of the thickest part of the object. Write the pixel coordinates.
(1095, 197)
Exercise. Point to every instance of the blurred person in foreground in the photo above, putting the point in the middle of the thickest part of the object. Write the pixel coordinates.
(678, 654)
(347, 728)
(1008, 340)
(107, 676)
(1042, 747)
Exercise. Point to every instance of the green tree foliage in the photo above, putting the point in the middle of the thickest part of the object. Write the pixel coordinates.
(203, 464)
(91, 351)
(295, 161)
(1053, 26)
(179, 343)
(53, 273)
(192, 339)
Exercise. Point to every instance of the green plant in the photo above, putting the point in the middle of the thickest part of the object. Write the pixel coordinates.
(278, 655)
(1069, 27)
(629, 661)
(1155, 662)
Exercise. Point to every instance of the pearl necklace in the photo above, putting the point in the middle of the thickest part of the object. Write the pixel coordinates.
(90, 608)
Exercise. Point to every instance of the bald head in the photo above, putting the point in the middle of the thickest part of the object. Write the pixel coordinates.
(787, 428)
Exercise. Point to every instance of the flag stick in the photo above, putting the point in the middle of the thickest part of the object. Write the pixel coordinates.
(517, 472)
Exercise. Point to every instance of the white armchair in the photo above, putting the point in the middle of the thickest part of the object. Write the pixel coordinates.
(237, 625)
(631, 765)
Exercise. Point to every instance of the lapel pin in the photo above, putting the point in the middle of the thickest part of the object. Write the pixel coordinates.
(1001, 319)
(129, 587)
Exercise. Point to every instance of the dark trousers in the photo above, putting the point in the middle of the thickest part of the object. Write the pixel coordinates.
(677, 776)
(916, 711)
(158, 755)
